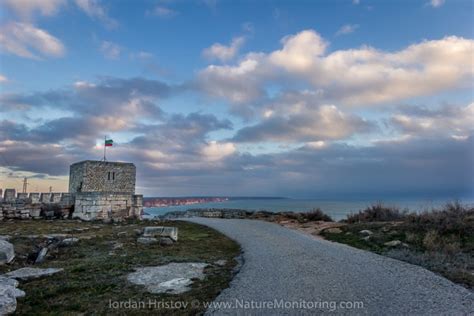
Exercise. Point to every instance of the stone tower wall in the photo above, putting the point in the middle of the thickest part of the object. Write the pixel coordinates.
(100, 176)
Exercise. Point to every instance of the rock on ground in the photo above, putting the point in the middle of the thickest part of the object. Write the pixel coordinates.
(220, 263)
(161, 231)
(393, 243)
(8, 295)
(7, 252)
(4, 281)
(334, 230)
(165, 241)
(69, 241)
(31, 273)
(174, 278)
(147, 240)
(41, 255)
(56, 236)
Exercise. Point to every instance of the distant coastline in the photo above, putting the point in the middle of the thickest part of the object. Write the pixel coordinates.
(337, 209)
(190, 200)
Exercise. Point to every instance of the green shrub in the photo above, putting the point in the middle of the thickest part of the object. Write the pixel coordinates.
(431, 240)
(453, 218)
(316, 215)
(377, 213)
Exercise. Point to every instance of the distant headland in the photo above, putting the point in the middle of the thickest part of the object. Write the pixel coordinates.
(189, 200)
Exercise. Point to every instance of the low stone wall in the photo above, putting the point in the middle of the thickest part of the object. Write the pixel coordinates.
(22, 210)
(10, 196)
(107, 206)
(82, 205)
(35, 205)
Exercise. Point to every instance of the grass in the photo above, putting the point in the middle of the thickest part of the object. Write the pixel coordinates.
(96, 267)
(441, 240)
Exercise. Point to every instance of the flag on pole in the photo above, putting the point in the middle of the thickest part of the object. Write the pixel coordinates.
(109, 143)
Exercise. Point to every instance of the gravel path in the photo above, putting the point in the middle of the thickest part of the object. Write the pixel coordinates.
(286, 266)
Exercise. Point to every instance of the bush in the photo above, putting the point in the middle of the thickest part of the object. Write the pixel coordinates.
(377, 213)
(454, 218)
(431, 240)
(316, 215)
(311, 216)
(291, 215)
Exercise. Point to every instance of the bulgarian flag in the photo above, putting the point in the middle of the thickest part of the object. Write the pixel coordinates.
(109, 143)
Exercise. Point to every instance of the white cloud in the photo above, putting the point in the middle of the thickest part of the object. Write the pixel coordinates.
(28, 41)
(27, 8)
(295, 120)
(237, 84)
(436, 3)
(456, 121)
(95, 10)
(162, 12)
(347, 29)
(83, 85)
(360, 76)
(222, 52)
(110, 50)
(3, 79)
(214, 151)
(317, 145)
(299, 51)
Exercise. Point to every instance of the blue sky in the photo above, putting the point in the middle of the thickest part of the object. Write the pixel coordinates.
(292, 98)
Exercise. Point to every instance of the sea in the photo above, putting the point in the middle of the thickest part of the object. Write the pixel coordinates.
(336, 209)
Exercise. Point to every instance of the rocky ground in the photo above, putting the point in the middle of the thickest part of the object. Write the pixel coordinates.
(97, 266)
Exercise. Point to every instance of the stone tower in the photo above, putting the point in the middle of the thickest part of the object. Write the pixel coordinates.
(102, 176)
(104, 190)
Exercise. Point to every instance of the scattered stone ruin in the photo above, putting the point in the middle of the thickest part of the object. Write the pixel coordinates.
(97, 190)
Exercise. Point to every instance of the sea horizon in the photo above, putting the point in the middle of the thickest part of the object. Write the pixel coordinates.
(336, 208)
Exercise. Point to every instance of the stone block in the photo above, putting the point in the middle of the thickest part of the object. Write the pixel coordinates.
(10, 195)
(35, 212)
(7, 251)
(34, 197)
(67, 199)
(161, 231)
(45, 198)
(55, 197)
(147, 240)
(23, 197)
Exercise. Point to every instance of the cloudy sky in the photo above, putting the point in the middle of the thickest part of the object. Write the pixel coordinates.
(300, 98)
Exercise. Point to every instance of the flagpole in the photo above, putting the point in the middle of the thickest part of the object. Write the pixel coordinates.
(105, 139)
